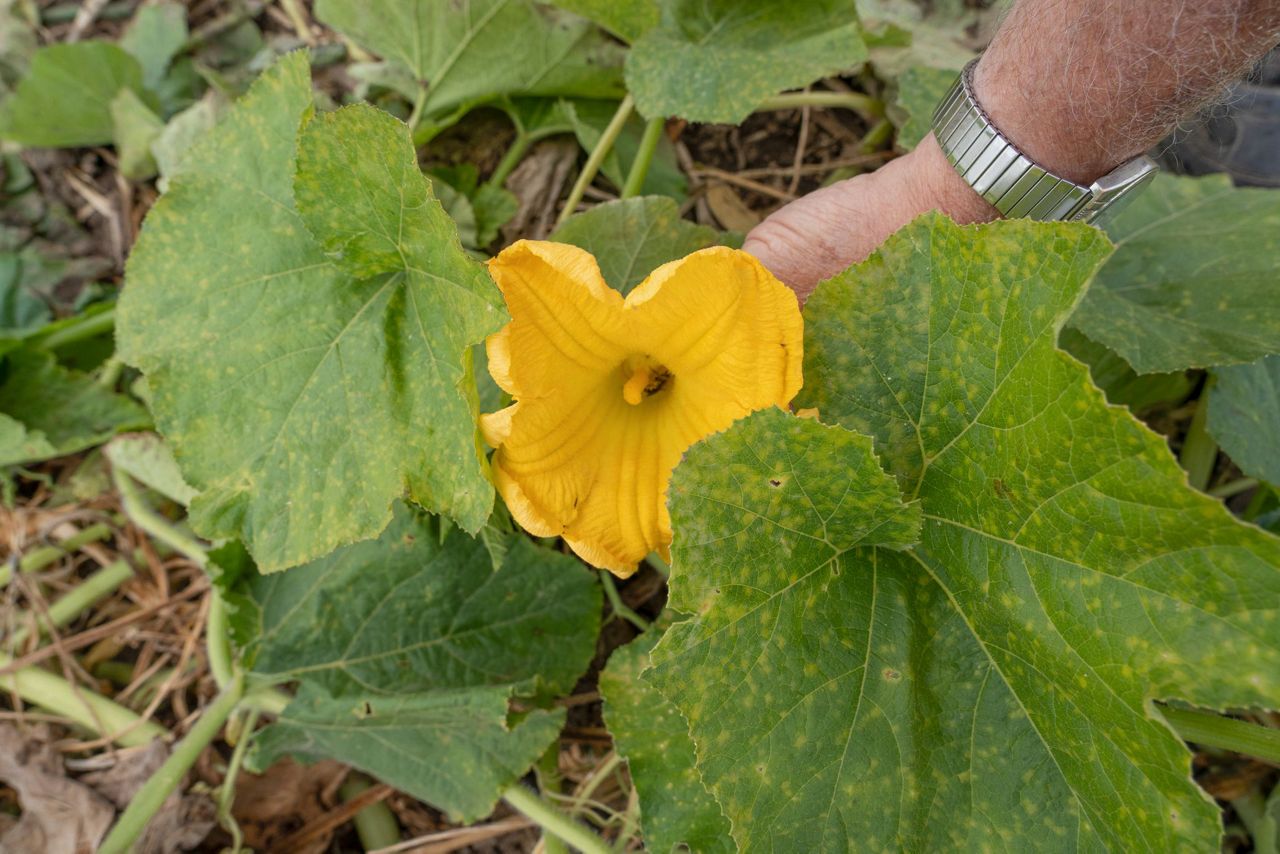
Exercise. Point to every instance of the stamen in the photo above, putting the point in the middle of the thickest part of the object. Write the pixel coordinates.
(634, 391)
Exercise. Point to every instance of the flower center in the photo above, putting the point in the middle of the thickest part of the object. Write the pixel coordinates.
(643, 378)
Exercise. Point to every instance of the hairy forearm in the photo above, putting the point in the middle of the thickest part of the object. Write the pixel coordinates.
(1084, 85)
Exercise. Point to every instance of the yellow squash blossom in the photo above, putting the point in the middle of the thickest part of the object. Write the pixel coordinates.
(610, 392)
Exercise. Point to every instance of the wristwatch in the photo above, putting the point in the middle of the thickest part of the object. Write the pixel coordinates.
(1012, 182)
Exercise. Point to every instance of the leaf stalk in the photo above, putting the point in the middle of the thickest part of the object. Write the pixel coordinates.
(596, 158)
(553, 821)
(153, 793)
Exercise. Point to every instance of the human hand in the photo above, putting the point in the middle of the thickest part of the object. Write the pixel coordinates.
(824, 232)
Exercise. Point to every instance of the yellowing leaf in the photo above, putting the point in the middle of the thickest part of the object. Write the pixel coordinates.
(309, 359)
(610, 391)
(992, 686)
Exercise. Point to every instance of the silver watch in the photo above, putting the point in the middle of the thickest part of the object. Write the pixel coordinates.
(1010, 180)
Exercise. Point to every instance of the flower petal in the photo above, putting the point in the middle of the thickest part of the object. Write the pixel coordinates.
(610, 394)
(565, 324)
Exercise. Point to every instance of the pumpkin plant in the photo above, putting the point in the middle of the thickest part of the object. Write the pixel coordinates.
(960, 598)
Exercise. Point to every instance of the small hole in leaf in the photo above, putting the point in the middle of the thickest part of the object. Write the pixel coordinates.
(774, 482)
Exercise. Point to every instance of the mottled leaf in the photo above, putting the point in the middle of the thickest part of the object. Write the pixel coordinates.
(649, 732)
(919, 91)
(631, 238)
(1244, 416)
(716, 60)
(627, 19)
(65, 99)
(309, 364)
(408, 649)
(1121, 384)
(471, 51)
(993, 685)
(171, 146)
(47, 410)
(1192, 282)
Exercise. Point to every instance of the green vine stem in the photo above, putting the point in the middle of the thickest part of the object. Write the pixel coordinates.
(553, 821)
(102, 583)
(37, 559)
(867, 106)
(153, 793)
(1199, 451)
(415, 117)
(644, 157)
(620, 608)
(597, 156)
(227, 792)
(85, 326)
(376, 824)
(91, 711)
(1214, 730)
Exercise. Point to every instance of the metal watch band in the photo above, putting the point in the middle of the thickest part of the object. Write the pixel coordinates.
(1013, 183)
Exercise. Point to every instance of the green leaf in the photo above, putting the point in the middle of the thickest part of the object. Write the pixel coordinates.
(147, 459)
(664, 178)
(919, 91)
(65, 99)
(476, 50)
(452, 749)
(307, 381)
(904, 34)
(47, 410)
(627, 19)
(648, 731)
(21, 308)
(136, 128)
(993, 686)
(716, 60)
(494, 207)
(408, 650)
(171, 146)
(633, 237)
(154, 37)
(1192, 281)
(1122, 385)
(1244, 416)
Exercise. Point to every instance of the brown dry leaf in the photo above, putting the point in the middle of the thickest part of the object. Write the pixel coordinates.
(182, 822)
(537, 183)
(730, 210)
(58, 814)
(288, 797)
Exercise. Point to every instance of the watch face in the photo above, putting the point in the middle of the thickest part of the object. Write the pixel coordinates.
(1117, 188)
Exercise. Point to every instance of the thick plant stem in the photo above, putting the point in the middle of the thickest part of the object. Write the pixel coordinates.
(218, 640)
(553, 821)
(1213, 730)
(856, 101)
(597, 156)
(644, 157)
(153, 793)
(91, 711)
(97, 586)
(1199, 451)
(376, 824)
(156, 525)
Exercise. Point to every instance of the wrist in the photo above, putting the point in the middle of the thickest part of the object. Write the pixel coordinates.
(939, 187)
